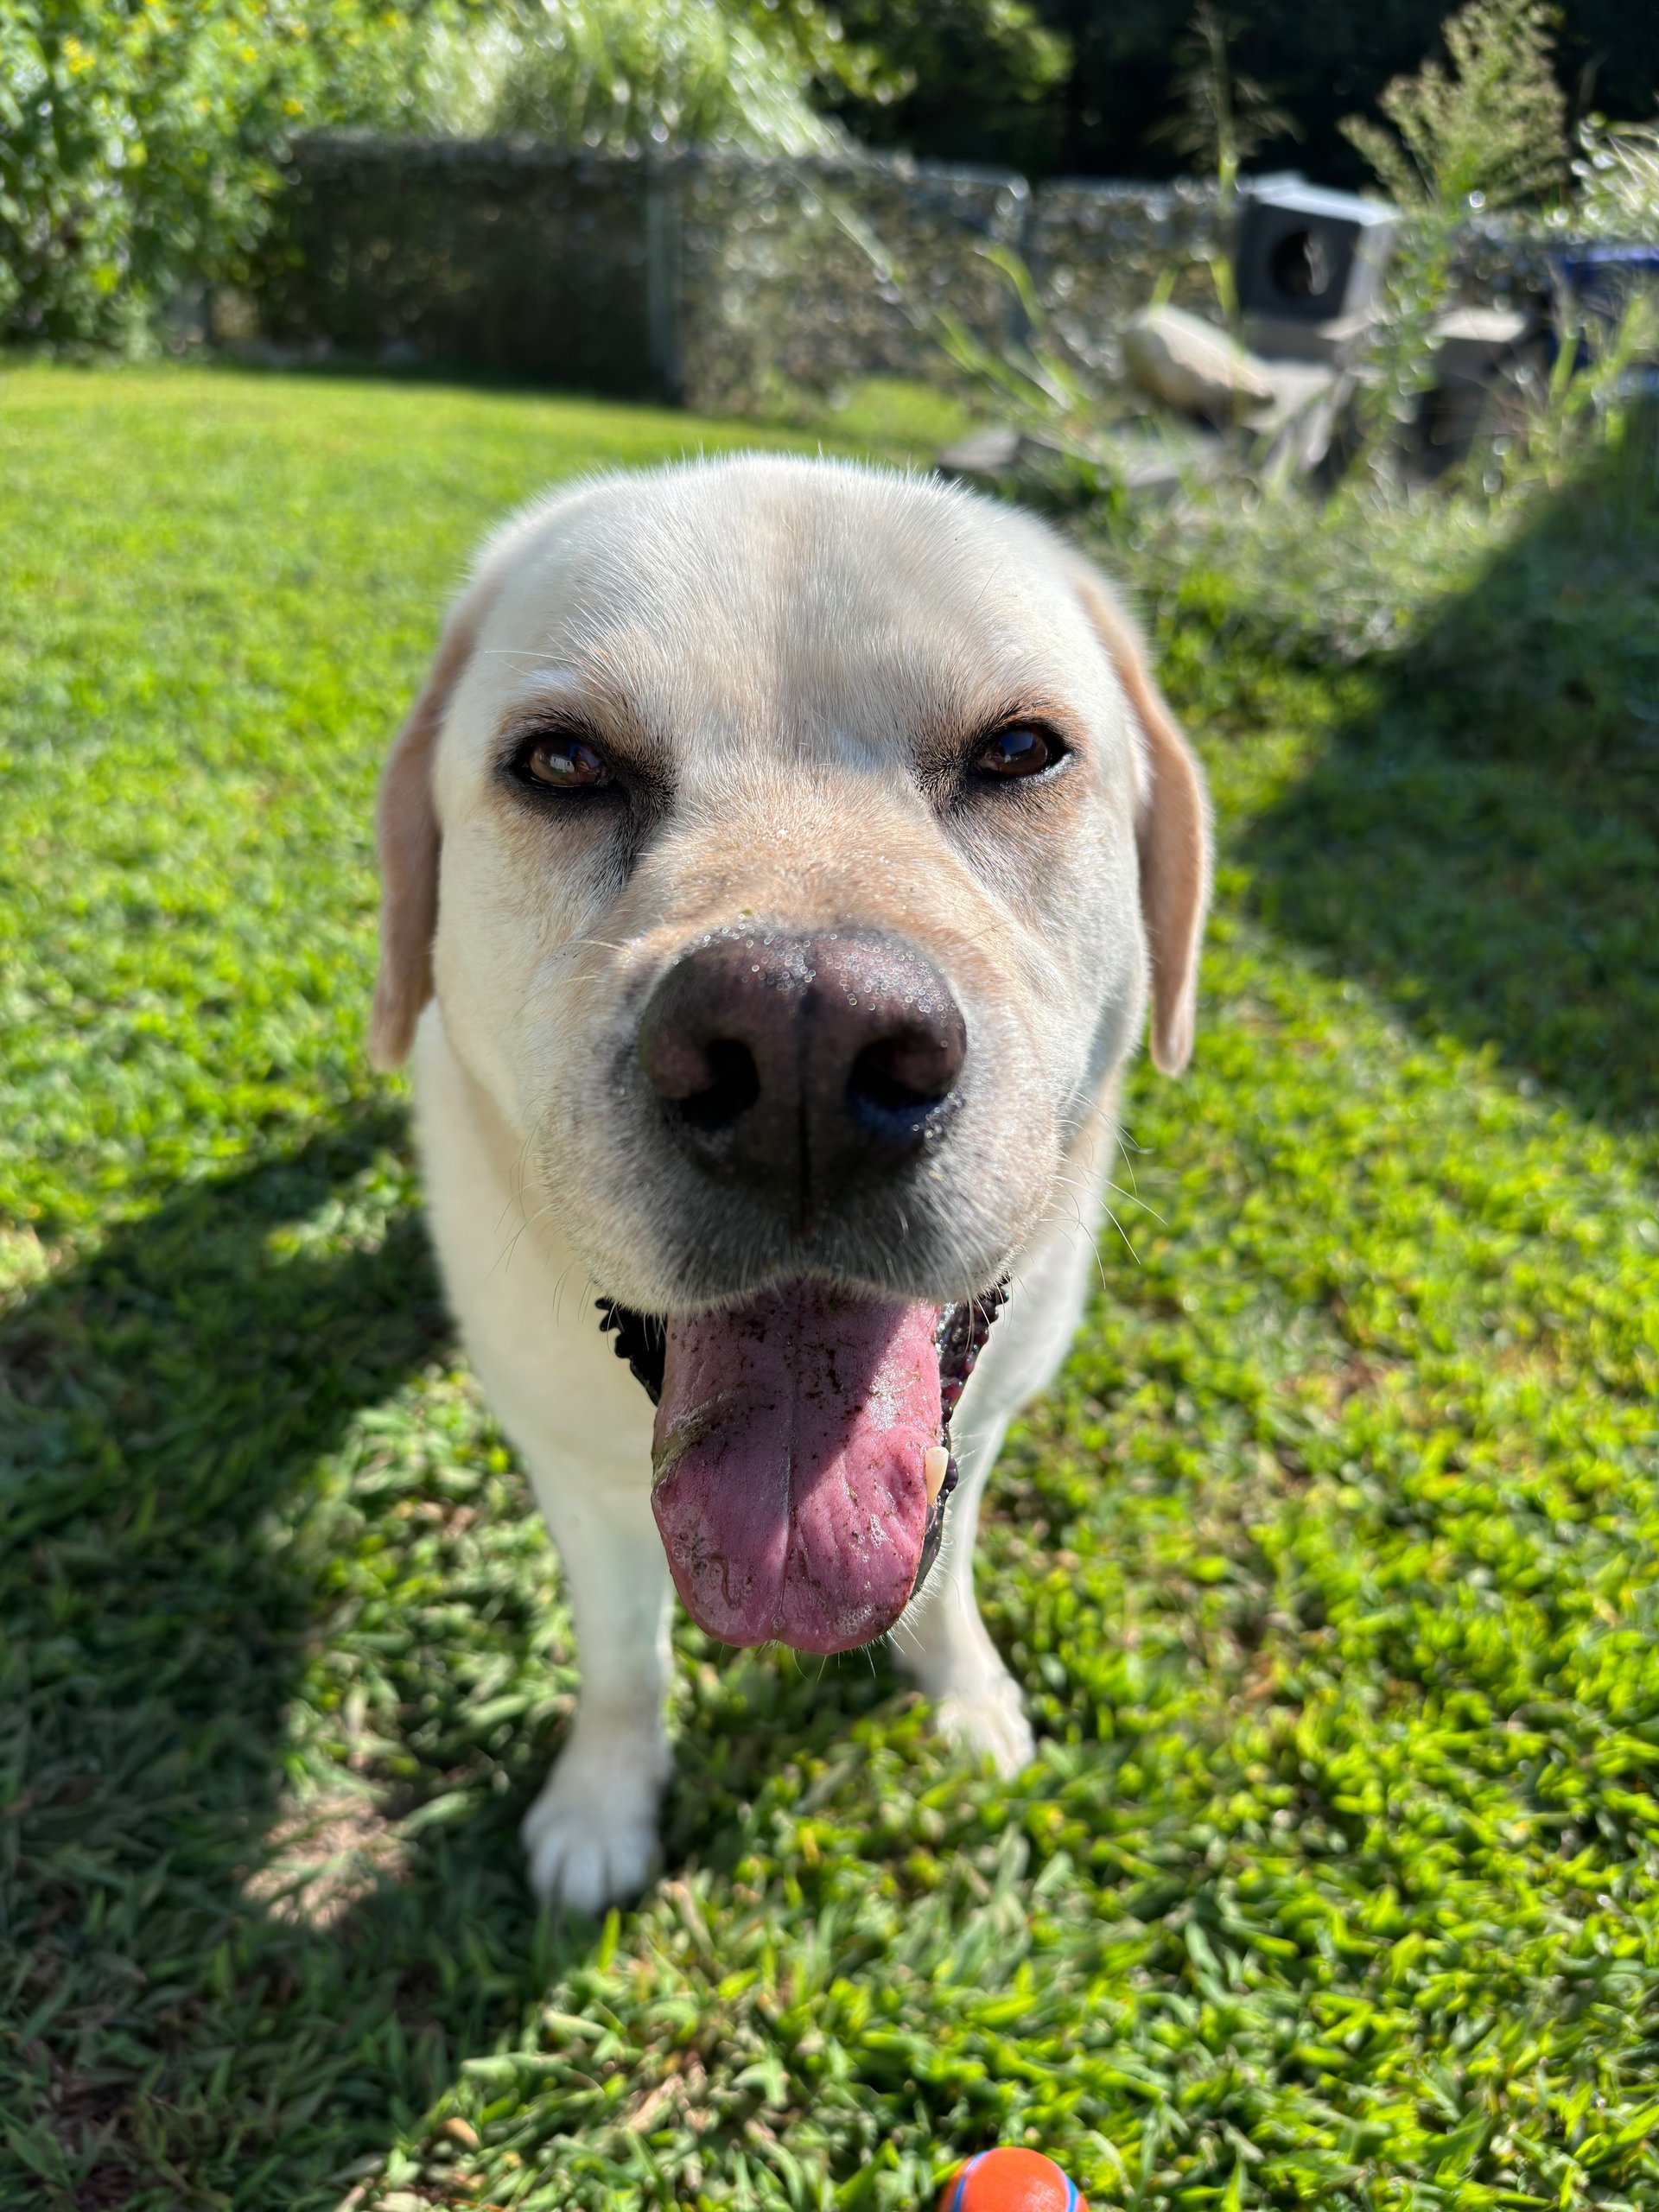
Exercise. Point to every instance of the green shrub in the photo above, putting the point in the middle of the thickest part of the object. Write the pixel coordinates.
(1489, 133)
(137, 144)
(141, 140)
(619, 75)
(124, 155)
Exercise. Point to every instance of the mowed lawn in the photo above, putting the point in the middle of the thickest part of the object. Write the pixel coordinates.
(1331, 1568)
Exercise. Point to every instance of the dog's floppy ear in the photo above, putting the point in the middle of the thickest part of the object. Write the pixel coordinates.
(1172, 831)
(409, 838)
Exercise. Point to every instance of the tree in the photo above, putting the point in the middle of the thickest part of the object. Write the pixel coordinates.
(1324, 58)
(961, 79)
(140, 140)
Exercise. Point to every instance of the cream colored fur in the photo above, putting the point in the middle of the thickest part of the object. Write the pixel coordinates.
(790, 648)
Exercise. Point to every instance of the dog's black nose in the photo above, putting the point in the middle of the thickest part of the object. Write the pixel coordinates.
(796, 1066)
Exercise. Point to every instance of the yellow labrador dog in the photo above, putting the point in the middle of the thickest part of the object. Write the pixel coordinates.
(777, 863)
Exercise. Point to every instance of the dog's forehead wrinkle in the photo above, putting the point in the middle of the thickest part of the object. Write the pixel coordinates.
(754, 575)
(725, 701)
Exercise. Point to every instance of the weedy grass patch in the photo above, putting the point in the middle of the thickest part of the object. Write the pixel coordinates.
(1331, 1566)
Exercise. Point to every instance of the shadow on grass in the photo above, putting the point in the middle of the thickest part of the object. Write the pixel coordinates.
(1484, 848)
(168, 2035)
(160, 1403)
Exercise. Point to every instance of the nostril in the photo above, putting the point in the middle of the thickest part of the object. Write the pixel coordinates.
(733, 1086)
(905, 1074)
(795, 1066)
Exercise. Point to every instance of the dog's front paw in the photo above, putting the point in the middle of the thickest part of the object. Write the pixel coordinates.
(977, 1707)
(591, 1836)
(989, 1722)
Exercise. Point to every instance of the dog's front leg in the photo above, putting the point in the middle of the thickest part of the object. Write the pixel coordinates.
(591, 1835)
(941, 1642)
(583, 1427)
(944, 1646)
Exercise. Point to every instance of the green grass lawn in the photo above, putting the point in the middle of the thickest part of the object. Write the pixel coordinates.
(1332, 1567)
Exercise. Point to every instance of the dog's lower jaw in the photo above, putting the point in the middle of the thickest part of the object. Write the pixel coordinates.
(591, 1838)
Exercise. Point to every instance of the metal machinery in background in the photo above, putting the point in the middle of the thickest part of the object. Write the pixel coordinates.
(1309, 265)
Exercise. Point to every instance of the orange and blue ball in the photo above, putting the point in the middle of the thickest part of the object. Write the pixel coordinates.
(1011, 2180)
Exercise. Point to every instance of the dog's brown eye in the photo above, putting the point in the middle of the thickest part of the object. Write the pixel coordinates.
(1020, 750)
(563, 762)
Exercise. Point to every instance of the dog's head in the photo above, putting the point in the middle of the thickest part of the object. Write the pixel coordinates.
(791, 848)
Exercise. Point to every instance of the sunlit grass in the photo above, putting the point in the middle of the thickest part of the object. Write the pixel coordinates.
(1329, 1568)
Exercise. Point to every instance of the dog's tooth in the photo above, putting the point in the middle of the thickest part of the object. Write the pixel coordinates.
(936, 1465)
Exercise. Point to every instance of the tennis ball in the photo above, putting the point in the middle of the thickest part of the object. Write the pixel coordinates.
(1010, 2181)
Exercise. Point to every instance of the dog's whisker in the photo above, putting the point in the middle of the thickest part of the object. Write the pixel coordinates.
(521, 1179)
(902, 1635)
(522, 1231)
(1053, 1202)
(1126, 1145)
(1070, 1183)
(1135, 1199)
(1124, 1233)
(564, 1275)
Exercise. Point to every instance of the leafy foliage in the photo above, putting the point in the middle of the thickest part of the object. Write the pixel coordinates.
(1490, 132)
(986, 71)
(1105, 115)
(1616, 172)
(1224, 117)
(636, 73)
(142, 139)
(1330, 1566)
(138, 142)
(123, 154)
(622, 75)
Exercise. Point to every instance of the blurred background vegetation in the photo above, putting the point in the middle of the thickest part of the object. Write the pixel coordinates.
(140, 139)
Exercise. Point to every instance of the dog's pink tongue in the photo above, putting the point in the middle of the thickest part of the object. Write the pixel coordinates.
(790, 1489)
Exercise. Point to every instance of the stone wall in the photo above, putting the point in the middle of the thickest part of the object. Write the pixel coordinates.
(718, 280)
(808, 275)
